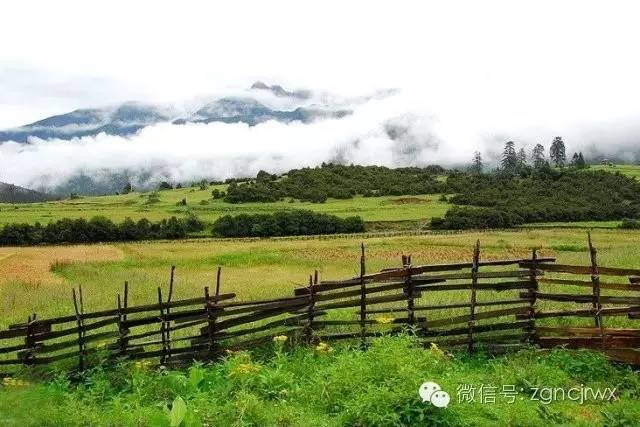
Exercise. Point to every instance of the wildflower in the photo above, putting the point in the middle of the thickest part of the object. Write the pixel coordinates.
(437, 351)
(143, 364)
(14, 382)
(280, 339)
(384, 319)
(324, 348)
(244, 369)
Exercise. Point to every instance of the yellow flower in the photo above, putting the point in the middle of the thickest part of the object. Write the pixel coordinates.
(280, 339)
(437, 350)
(323, 347)
(244, 369)
(384, 319)
(143, 364)
(14, 382)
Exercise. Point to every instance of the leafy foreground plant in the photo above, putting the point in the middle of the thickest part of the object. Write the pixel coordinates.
(327, 387)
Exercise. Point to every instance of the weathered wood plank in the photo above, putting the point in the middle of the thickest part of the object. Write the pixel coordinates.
(576, 269)
(588, 283)
(478, 316)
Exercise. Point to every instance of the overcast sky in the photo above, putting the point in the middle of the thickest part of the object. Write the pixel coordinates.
(510, 59)
(470, 74)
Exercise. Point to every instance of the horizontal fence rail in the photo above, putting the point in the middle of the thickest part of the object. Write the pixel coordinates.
(494, 305)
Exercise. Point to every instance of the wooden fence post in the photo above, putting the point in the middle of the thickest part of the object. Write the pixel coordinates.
(163, 335)
(123, 332)
(210, 326)
(80, 324)
(595, 280)
(409, 289)
(474, 283)
(533, 290)
(29, 341)
(363, 300)
(212, 312)
(167, 325)
(310, 312)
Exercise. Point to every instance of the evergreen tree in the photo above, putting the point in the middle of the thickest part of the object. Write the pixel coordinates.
(574, 159)
(522, 158)
(476, 164)
(128, 188)
(580, 162)
(509, 160)
(538, 158)
(557, 152)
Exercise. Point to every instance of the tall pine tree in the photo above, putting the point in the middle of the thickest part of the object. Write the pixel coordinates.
(557, 152)
(537, 156)
(522, 158)
(509, 160)
(476, 163)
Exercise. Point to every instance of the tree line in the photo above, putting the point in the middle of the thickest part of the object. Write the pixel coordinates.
(515, 161)
(97, 229)
(285, 223)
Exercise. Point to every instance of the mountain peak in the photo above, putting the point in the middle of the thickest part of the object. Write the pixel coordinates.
(279, 91)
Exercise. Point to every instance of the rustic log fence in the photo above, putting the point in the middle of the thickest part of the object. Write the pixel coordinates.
(494, 305)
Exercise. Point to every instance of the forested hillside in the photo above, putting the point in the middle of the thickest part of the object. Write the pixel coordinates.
(338, 182)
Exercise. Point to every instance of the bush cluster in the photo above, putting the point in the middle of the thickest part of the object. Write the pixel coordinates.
(630, 224)
(97, 229)
(542, 196)
(336, 181)
(460, 218)
(285, 223)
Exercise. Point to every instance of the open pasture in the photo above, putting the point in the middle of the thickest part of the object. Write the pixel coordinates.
(138, 205)
(256, 269)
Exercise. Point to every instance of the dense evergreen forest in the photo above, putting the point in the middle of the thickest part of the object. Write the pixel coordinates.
(521, 191)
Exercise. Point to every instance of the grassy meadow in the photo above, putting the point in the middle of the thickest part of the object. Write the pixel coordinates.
(40, 278)
(136, 205)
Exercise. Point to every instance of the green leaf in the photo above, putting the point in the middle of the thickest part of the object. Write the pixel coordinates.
(178, 412)
(196, 375)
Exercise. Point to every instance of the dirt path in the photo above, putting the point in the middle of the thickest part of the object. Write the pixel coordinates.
(33, 264)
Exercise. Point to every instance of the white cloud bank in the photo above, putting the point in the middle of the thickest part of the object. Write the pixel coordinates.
(472, 74)
(391, 131)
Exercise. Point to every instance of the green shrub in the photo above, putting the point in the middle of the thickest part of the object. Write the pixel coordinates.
(97, 229)
(630, 224)
(285, 223)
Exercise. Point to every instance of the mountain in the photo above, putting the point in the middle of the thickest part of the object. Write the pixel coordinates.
(130, 117)
(252, 112)
(278, 90)
(10, 193)
(124, 119)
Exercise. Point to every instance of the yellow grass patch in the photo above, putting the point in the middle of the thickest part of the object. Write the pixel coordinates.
(33, 264)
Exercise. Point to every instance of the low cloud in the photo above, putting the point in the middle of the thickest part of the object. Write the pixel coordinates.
(393, 131)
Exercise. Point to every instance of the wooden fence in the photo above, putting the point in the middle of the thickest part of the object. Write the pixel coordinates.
(496, 305)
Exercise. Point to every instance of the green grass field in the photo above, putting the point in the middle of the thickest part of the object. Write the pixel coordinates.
(136, 206)
(377, 387)
(40, 278)
(629, 170)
